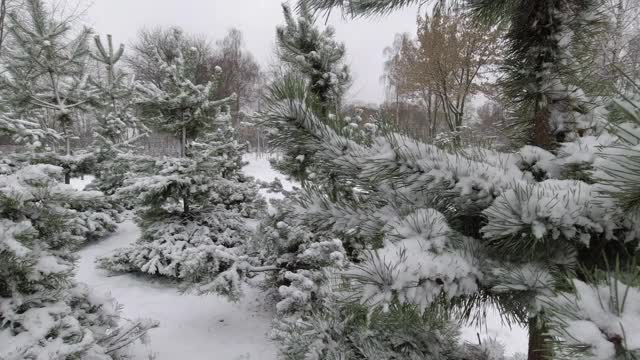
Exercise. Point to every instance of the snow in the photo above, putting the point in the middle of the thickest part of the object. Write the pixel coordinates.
(81, 183)
(210, 327)
(596, 315)
(191, 327)
(258, 166)
(194, 327)
(514, 339)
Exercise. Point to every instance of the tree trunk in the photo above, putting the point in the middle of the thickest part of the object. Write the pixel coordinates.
(183, 142)
(538, 349)
(67, 172)
(397, 107)
(3, 15)
(185, 203)
(183, 153)
(541, 135)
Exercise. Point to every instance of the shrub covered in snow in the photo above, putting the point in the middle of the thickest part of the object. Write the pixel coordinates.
(339, 331)
(597, 320)
(44, 314)
(305, 261)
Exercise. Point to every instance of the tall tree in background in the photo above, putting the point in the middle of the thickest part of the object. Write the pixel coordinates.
(398, 56)
(453, 58)
(315, 54)
(159, 41)
(446, 65)
(241, 72)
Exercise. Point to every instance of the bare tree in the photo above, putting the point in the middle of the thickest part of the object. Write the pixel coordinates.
(398, 57)
(453, 56)
(444, 66)
(240, 72)
(157, 41)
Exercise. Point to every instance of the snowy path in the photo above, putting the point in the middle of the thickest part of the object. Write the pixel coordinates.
(191, 327)
(209, 327)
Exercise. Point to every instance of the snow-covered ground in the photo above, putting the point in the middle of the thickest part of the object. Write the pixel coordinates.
(210, 327)
(191, 327)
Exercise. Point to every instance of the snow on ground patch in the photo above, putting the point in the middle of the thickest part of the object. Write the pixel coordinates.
(81, 183)
(191, 327)
(258, 166)
(515, 339)
(209, 327)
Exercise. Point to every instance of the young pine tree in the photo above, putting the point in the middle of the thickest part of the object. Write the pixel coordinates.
(314, 55)
(44, 88)
(117, 127)
(44, 78)
(192, 208)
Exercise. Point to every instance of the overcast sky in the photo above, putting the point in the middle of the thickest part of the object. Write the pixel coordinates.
(365, 38)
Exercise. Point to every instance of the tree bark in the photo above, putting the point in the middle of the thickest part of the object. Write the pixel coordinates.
(3, 15)
(541, 135)
(183, 142)
(67, 173)
(538, 349)
(183, 153)
(397, 107)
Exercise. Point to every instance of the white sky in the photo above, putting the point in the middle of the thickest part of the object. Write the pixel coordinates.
(365, 38)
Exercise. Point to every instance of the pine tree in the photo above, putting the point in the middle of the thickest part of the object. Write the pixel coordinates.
(315, 56)
(594, 317)
(45, 76)
(192, 208)
(45, 81)
(44, 313)
(117, 128)
(459, 229)
(536, 244)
